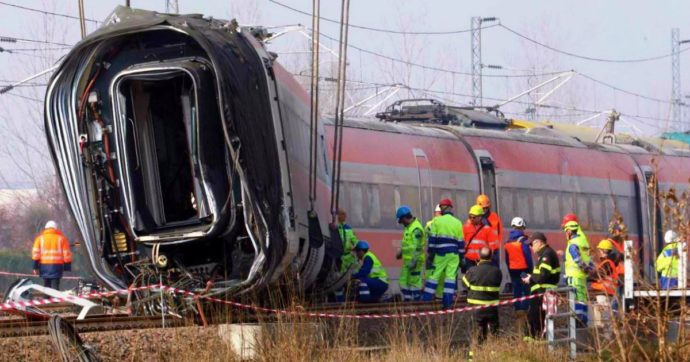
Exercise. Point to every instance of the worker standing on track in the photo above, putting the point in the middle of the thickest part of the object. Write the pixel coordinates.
(412, 254)
(349, 239)
(51, 255)
(667, 262)
(430, 267)
(483, 283)
(490, 218)
(477, 235)
(446, 246)
(577, 266)
(546, 274)
(519, 261)
(372, 277)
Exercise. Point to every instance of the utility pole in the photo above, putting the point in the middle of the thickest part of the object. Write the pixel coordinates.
(82, 20)
(675, 80)
(477, 58)
(172, 6)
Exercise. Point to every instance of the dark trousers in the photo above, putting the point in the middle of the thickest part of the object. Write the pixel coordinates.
(535, 317)
(519, 289)
(487, 321)
(52, 283)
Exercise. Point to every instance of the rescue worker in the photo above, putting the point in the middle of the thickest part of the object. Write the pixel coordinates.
(437, 213)
(483, 283)
(667, 262)
(445, 248)
(349, 239)
(372, 277)
(606, 272)
(477, 235)
(617, 237)
(412, 254)
(490, 218)
(51, 255)
(519, 261)
(545, 276)
(577, 266)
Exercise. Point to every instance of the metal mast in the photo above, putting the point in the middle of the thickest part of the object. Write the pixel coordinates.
(172, 6)
(675, 80)
(476, 61)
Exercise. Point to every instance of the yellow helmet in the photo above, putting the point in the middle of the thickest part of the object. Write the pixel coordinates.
(476, 210)
(571, 225)
(605, 245)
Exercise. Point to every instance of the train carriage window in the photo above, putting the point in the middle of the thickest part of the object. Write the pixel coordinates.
(464, 202)
(374, 205)
(409, 195)
(387, 202)
(538, 209)
(568, 203)
(583, 212)
(507, 209)
(523, 204)
(356, 207)
(626, 210)
(344, 200)
(553, 210)
(397, 197)
(597, 213)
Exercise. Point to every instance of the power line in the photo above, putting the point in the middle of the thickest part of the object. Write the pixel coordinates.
(638, 60)
(36, 49)
(11, 39)
(380, 30)
(428, 67)
(45, 12)
(624, 91)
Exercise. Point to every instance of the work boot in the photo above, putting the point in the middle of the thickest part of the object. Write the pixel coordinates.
(520, 322)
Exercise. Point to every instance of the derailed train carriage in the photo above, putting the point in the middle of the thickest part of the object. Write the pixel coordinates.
(183, 147)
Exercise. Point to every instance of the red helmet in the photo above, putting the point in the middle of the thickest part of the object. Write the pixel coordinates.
(567, 218)
(446, 202)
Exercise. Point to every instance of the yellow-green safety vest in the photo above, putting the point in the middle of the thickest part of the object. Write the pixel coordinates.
(571, 268)
(377, 270)
(413, 242)
(667, 262)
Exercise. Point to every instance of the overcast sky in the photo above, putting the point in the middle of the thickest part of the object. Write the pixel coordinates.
(598, 29)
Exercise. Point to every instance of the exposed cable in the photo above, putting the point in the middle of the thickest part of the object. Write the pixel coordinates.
(380, 30)
(11, 39)
(45, 12)
(623, 90)
(585, 57)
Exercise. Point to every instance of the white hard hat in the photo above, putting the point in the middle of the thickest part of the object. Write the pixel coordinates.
(670, 237)
(438, 208)
(517, 222)
(51, 225)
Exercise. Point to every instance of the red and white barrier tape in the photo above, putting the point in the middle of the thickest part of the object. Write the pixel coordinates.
(47, 301)
(32, 275)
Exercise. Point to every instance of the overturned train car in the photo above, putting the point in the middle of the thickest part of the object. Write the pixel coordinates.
(181, 145)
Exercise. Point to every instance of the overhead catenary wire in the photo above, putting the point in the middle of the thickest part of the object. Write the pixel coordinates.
(44, 12)
(12, 39)
(585, 57)
(380, 30)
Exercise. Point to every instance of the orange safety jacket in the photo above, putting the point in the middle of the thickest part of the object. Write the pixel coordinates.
(51, 247)
(495, 224)
(620, 268)
(477, 237)
(608, 277)
(516, 256)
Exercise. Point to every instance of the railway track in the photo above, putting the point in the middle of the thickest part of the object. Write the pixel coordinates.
(101, 323)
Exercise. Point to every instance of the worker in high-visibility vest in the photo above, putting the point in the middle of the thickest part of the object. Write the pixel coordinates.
(430, 266)
(51, 255)
(546, 274)
(483, 283)
(445, 247)
(606, 272)
(412, 253)
(372, 277)
(577, 267)
(518, 260)
(477, 235)
(490, 218)
(347, 259)
(667, 262)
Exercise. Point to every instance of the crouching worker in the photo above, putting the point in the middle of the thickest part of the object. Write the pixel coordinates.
(372, 277)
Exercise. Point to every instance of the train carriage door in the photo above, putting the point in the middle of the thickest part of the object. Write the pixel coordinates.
(426, 196)
(653, 211)
(488, 177)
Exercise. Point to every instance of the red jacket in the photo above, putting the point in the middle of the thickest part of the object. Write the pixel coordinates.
(478, 237)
